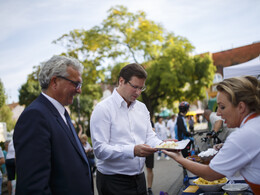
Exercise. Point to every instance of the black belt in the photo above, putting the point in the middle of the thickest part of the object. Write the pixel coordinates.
(124, 176)
(128, 176)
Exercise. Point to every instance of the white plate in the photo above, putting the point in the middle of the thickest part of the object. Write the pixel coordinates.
(210, 187)
(237, 187)
(181, 145)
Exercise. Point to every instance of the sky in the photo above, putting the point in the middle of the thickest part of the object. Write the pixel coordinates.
(29, 27)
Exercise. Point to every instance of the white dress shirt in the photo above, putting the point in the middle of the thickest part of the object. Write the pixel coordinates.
(161, 130)
(115, 130)
(10, 152)
(171, 124)
(57, 105)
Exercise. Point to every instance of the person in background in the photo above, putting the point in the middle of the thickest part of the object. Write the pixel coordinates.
(89, 151)
(181, 130)
(170, 125)
(2, 161)
(149, 163)
(191, 124)
(50, 158)
(238, 102)
(10, 167)
(122, 136)
(218, 127)
(161, 132)
(5, 153)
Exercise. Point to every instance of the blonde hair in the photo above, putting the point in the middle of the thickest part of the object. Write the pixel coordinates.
(245, 89)
(84, 136)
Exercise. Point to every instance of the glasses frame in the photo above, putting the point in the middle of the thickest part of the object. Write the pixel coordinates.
(136, 87)
(78, 85)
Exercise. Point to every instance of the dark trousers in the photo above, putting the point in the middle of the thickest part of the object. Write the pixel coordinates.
(121, 184)
(10, 167)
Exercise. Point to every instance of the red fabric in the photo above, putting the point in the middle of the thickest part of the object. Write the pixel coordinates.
(255, 187)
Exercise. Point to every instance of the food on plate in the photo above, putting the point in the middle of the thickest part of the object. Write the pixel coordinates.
(207, 153)
(167, 144)
(201, 181)
(194, 158)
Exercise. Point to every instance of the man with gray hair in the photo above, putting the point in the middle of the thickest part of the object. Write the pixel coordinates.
(49, 156)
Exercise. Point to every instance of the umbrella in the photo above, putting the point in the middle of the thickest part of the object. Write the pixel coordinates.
(165, 113)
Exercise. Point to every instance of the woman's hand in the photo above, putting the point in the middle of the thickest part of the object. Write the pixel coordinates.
(174, 155)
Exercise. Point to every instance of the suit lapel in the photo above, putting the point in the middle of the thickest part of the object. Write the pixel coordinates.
(63, 125)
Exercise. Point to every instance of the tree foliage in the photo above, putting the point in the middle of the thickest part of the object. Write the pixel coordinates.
(124, 37)
(6, 116)
(5, 112)
(31, 89)
(2, 94)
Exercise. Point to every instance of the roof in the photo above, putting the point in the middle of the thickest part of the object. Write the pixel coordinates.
(237, 55)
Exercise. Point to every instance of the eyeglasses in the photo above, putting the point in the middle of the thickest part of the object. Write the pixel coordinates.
(136, 87)
(77, 84)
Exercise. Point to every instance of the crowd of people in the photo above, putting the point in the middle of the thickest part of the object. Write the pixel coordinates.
(51, 158)
(7, 166)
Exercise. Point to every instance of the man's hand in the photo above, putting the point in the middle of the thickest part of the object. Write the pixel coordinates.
(212, 134)
(143, 150)
(218, 146)
(89, 150)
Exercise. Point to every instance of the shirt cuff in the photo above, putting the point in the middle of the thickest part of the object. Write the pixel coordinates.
(129, 151)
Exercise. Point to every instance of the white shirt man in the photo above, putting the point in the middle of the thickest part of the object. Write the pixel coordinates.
(122, 136)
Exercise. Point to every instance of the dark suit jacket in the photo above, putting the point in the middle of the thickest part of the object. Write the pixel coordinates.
(48, 159)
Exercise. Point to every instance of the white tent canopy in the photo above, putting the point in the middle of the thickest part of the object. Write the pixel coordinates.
(251, 68)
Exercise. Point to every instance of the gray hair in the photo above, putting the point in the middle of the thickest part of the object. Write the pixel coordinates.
(57, 66)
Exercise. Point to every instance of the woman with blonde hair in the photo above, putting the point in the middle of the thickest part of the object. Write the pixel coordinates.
(89, 151)
(238, 102)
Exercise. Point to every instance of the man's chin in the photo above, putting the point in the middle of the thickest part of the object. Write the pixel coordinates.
(132, 100)
(69, 102)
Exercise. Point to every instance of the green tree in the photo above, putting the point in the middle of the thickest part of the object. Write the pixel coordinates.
(6, 116)
(125, 37)
(5, 112)
(2, 94)
(31, 89)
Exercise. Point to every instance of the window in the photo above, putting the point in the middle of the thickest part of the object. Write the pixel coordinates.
(217, 78)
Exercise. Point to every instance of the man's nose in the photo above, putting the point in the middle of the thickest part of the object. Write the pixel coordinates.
(139, 91)
(79, 90)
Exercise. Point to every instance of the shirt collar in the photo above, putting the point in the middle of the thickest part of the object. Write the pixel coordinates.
(243, 122)
(56, 104)
(120, 100)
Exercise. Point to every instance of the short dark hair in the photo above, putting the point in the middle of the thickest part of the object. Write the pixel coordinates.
(131, 70)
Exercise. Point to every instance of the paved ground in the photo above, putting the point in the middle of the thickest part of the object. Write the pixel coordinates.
(168, 177)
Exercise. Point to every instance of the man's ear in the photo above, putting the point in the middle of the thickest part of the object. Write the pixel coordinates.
(121, 81)
(53, 82)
